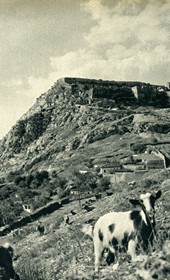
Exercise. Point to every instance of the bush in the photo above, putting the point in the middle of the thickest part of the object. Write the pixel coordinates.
(104, 183)
(44, 174)
(138, 148)
(60, 192)
(59, 182)
(34, 183)
(148, 183)
(25, 194)
(41, 175)
(7, 213)
(22, 184)
(20, 181)
(10, 177)
(29, 179)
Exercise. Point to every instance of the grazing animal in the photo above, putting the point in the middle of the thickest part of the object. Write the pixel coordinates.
(6, 255)
(16, 232)
(117, 231)
(40, 228)
(66, 219)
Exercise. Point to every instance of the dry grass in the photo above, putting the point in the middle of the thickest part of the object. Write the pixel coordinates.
(63, 252)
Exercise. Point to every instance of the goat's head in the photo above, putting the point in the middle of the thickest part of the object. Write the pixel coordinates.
(147, 202)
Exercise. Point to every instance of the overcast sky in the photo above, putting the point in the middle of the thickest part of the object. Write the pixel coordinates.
(44, 40)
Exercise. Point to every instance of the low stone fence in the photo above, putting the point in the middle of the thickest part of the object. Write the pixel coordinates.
(47, 209)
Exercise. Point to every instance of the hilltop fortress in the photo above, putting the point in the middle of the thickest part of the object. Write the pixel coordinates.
(75, 112)
(80, 94)
(109, 93)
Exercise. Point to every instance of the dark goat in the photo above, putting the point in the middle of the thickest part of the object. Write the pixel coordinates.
(6, 255)
(40, 228)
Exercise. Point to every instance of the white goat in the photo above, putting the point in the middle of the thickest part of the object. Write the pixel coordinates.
(124, 230)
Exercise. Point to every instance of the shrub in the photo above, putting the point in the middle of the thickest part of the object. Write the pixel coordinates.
(44, 174)
(41, 175)
(104, 183)
(138, 148)
(7, 213)
(148, 183)
(10, 177)
(58, 182)
(22, 184)
(29, 179)
(34, 183)
(25, 194)
(18, 179)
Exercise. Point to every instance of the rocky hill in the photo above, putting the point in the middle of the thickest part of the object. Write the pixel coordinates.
(116, 133)
(61, 128)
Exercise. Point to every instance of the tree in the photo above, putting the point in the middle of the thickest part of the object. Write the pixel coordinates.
(18, 179)
(60, 192)
(35, 183)
(104, 183)
(84, 183)
(29, 179)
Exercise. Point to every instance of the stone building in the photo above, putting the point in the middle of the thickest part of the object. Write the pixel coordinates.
(151, 160)
(110, 168)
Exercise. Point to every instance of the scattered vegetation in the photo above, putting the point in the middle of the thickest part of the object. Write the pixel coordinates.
(73, 131)
(65, 253)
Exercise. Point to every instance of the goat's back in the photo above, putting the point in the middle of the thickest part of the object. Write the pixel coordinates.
(114, 224)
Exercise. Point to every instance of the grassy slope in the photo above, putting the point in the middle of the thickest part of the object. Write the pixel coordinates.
(64, 253)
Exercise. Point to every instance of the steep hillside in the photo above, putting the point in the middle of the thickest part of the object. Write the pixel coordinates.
(84, 139)
(73, 114)
(83, 125)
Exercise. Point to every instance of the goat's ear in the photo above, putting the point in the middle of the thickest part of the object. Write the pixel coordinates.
(135, 201)
(158, 194)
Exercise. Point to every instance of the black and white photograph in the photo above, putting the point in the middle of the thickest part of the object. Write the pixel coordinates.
(84, 139)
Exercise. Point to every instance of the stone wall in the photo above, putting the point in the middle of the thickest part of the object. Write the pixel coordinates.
(122, 92)
(47, 209)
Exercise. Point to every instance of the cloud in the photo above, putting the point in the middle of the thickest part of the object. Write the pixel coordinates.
(96, 9)
(150, 23)
(129, 40)
(12, 83)
(32, 31)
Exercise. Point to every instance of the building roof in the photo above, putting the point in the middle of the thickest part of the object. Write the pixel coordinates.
(111, 165)
(148, 157)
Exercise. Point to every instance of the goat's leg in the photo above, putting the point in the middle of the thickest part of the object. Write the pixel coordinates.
(110, 257)
(113, 257)
(98, 252)
(116, 261)
(132, 249)
(132, 252)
